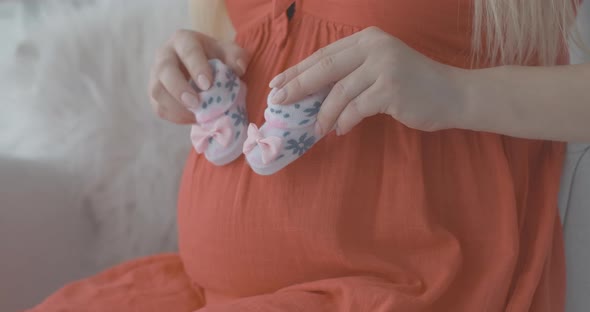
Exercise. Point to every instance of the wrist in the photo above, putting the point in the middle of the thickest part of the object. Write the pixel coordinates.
(476, 95)
(461, 112)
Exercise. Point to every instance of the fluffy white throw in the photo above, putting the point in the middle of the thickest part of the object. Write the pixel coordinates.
(75, 98)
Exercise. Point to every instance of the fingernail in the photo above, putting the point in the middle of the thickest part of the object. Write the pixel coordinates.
(242, 66)
(338, 133)
(203, 83)
(190, 100)
(279, 97)
(318, 129)
(277, 81)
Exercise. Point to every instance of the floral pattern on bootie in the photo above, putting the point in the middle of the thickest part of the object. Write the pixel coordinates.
(287, 134)
(221, 117)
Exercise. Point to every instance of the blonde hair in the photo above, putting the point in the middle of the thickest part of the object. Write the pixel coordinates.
(521, 31)
(504, 31)
(210, 17)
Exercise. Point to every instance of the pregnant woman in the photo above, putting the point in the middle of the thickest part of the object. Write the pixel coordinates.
(437, 191)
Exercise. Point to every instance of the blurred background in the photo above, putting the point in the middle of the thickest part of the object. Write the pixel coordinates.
(88, 175)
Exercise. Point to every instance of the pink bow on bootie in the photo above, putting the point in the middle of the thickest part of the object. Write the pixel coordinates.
(269, 146)
(221, 132)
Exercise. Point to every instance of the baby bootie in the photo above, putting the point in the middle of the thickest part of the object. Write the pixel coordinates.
(220, 130)
(288, 132)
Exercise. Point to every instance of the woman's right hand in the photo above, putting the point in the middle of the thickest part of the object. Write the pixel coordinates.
(185, 56)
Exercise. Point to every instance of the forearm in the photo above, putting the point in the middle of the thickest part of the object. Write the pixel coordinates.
(551, 103)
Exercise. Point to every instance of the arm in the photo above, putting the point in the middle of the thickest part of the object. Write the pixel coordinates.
(377, 73)
(550, 103)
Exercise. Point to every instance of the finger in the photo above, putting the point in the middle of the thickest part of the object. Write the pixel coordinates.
(168, 108)
(174, 81)
(234, 56)
(361, 107)
(331, 49)
(231, 54)
(191, 53)
(341, 94)
(194, 49)
(328, 70)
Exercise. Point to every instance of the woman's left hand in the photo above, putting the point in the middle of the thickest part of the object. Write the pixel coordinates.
(374, 73)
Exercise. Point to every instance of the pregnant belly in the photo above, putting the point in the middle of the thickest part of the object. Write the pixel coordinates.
(241, 234)
(243, 241)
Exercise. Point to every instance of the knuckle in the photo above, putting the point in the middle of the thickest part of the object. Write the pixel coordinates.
(153, 75)
(156, 91)
(393, 109)
(163, 57)
(159, 69)
(297, 69)
(232, 50)
(327, 118)
(357, 109)
(340, 125)
(163, 65)
(386, 93)
(161, 111)
(324, 120)
(151, 84)
(354, 104)
(188, 48)
(296, 84)
(162, 53)
(391, 106)
(293, 71)
(339, 90)
(322, 115)
(375, 37)
(180, 34)
(385, 82)
(154, 106)
(320, 53)
(373, 30)
(327, 62)
(389, 44)
(391, 63)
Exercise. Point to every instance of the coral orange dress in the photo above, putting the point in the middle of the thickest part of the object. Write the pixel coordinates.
(385, 218)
